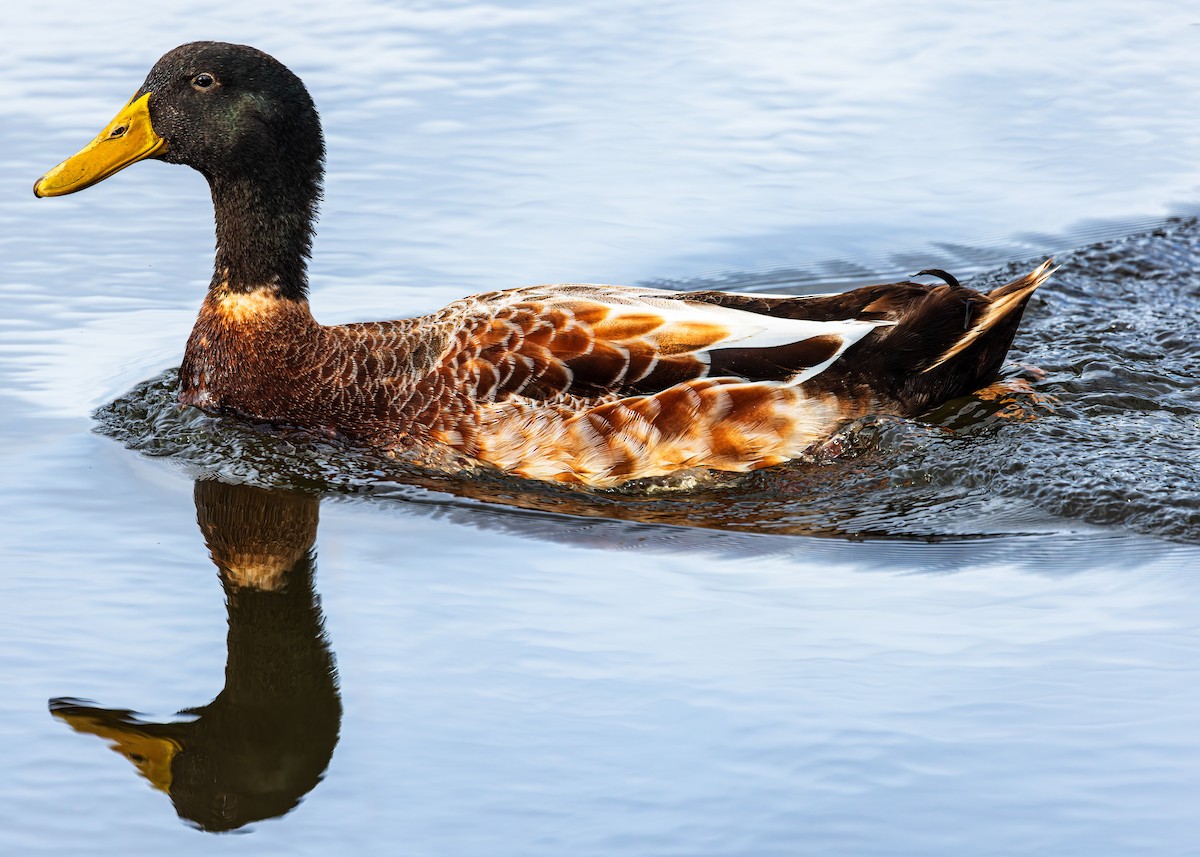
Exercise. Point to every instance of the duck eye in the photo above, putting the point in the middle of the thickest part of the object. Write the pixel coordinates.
(204, 80)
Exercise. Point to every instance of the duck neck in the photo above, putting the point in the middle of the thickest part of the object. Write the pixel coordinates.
(264, 233)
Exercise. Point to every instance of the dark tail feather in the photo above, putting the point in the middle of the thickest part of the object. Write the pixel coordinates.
(973, 357)
(1001, 315)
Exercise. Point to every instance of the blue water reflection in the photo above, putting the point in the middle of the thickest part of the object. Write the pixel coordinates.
(517, 684)
(256, 749)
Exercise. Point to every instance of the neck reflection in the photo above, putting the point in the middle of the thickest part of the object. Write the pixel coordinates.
(266, 739)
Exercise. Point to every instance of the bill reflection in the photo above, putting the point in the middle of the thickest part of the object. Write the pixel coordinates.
(266, 739)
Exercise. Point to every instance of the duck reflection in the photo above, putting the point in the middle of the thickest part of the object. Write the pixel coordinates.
(267, 738)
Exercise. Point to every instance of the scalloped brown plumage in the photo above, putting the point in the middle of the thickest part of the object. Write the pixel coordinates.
(601, 384)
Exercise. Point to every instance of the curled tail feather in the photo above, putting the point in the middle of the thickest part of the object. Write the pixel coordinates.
(1003, 302)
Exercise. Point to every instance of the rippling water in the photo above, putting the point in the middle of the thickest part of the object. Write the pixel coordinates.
(972, 633)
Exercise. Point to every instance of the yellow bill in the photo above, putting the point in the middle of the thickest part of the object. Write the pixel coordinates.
(150, 754)
(127, 139)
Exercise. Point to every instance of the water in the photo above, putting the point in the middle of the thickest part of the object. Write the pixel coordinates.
(971, 642)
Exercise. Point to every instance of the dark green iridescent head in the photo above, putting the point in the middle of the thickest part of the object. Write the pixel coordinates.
(248, 124)
(228, 110)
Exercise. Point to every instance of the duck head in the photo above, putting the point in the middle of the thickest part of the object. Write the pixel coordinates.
(217, 107)
(244, 121)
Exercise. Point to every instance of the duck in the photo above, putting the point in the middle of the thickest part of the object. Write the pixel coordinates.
(589, 385)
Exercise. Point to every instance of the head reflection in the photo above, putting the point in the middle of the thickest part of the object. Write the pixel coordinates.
(266, 739)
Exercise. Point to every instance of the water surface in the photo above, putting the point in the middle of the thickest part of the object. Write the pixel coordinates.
(969, 634)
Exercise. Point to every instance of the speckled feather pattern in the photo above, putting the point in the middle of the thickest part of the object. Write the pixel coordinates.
(596, 384)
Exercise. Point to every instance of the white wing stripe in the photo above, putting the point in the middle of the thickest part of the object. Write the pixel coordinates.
(746, 329)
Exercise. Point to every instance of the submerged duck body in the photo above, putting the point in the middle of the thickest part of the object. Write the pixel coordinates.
(575, 383)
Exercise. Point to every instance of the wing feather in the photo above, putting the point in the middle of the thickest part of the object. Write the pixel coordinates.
(597, 341)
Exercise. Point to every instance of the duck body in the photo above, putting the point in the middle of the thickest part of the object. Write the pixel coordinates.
(574, 383)
(599, 384)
